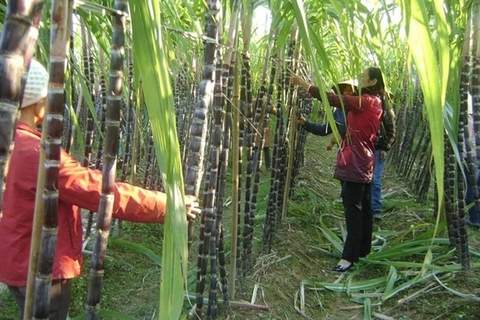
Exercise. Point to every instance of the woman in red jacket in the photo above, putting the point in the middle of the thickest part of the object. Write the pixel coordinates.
(79, 187)
(355, 160)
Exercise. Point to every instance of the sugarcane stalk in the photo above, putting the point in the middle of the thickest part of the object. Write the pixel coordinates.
(236, 156)
(112, 130)
(227, 87)
(99, 155)
(149, 155)
(450, 210)
(136, 131)
(466, 153)
(300, 133)
(216, 150)
(17, 45)
(88, 138)
(195, 157)
(69, 124)
(129, 123)
(461, 241)
(52, 144)
(275, 202)
(245, 97)
(20, 32)
(89, 82)
(199, 127)
(291, 157)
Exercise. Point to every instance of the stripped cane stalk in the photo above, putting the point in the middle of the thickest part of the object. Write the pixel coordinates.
(112, 130)
(52, 146)
(17, 44)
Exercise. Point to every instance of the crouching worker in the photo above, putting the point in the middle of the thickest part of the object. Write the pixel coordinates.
(79, 187)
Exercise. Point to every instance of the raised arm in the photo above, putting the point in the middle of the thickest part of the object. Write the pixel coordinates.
(350, 103)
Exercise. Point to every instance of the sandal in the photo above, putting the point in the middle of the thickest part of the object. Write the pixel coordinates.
(339, 268)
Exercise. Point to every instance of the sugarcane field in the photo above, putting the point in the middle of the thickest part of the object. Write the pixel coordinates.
(239, 159)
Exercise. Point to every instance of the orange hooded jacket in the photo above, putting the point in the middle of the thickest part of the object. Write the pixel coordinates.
(78, 187)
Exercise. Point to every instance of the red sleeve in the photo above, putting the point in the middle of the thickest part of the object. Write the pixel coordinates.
(351, 103)
(81, 186)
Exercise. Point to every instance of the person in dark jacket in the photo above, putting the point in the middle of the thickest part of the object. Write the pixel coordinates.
(385, 141)
(355, 160)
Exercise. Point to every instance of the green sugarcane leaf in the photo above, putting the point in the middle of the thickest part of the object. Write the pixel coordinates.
(408, 284)
(427, 260)
(407, 248)
(391, 279)
(364, 285)
(152, 68)
(462, 295)
(415, 265)
(432, 72)
(331, 236)
(367, 309)
(138, 248)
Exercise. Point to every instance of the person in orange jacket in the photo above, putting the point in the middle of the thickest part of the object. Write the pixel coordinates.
(79, 187)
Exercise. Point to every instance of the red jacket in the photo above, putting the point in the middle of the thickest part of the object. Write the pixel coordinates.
(356, 156)
(78, 187)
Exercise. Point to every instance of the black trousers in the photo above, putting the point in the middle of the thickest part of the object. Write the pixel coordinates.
(359, 220)
(60, 295)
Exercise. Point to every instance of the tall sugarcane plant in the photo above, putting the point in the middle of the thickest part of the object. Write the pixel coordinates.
(87, 113)
(112, 130)
(17, 45)
(475, 91)
(198, 135)
(50, 154)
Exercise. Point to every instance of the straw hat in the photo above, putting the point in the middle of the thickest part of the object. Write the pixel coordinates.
(353, 83)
